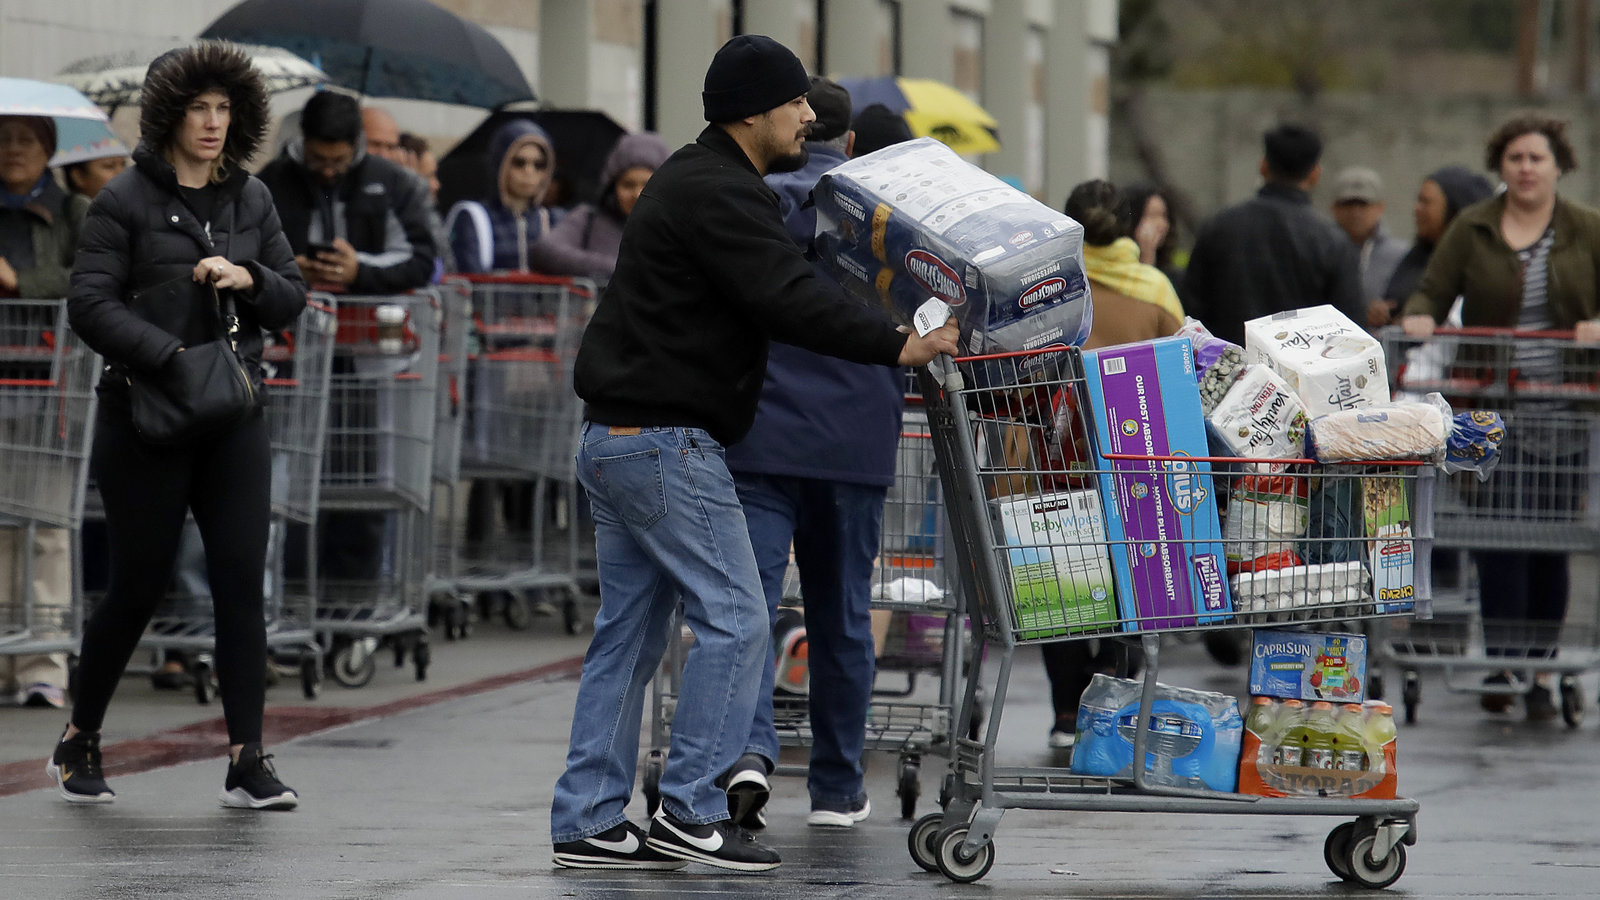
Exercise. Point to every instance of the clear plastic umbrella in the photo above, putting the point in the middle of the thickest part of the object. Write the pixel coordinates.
(82, 130)
(115, 79)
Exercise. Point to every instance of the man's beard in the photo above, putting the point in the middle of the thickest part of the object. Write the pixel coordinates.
(792, 162)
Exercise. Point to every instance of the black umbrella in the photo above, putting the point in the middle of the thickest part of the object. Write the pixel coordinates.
(582, 139)
(385, 48)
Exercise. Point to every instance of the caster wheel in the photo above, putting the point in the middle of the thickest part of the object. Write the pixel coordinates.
(919, 840)
(1336, 850)
(655, 762)
(1571, 701)
(310, 678)
(422, 656)
(517, 611)
(1411, 696)
(909, 789)
(351, 666)
(957, 866)
(1371, 873)
(205, 683)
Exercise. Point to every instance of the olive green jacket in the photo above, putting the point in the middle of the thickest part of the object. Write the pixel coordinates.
(1474, 261)
(55, 219)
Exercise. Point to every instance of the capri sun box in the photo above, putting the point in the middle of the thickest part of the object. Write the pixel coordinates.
(1161, 516)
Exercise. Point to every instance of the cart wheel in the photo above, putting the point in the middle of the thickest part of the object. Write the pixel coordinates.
(1336, 850)
(1411, 695)
(959, 867)
(1371, 873)
(910, 789)
(352, 667)
(1571, 701)
(205, 687)
(654, 764)
(570, 618)
(422, 655)
(919, 840)
(310, 678)
(517, 611)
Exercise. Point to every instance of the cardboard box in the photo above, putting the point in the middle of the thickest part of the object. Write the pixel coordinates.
(1144, 401)
(1310, 666)
(1060, 577)
(1330, 361)
(1387, 515)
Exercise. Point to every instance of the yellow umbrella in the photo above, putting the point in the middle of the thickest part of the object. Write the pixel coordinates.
(932, 109)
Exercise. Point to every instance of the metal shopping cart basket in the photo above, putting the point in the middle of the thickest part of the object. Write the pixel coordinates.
(1543, 498)
(516, 433)
(1011, 448)
(47, 407)
(377, 472)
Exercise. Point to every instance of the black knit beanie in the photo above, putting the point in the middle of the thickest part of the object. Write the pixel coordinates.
(751, 74)
(877, 127)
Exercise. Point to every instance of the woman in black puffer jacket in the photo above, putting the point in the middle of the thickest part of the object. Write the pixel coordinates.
(185, 210)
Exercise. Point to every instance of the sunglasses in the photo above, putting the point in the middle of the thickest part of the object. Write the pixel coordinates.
(522, 162)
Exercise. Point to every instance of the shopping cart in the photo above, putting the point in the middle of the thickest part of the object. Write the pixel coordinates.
(376, 482)
(1543, 497)
(47, 407)
(296, 363)
(515, 434)
(1030, 443)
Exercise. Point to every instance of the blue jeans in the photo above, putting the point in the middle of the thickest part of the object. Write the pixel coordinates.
(667, 525)
(834, 527)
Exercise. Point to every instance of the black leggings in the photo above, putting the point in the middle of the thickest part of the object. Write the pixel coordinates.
(226, 481)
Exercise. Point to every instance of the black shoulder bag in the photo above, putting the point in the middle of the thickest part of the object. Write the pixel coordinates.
(203, 388)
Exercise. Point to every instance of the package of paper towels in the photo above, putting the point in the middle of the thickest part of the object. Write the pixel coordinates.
(915, 220)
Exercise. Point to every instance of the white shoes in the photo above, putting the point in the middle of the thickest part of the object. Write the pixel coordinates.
(827, 818)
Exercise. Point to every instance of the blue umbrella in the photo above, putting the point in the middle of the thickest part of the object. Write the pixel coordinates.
(82, 130)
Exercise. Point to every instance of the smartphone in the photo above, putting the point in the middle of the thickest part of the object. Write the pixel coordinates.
(316, 250)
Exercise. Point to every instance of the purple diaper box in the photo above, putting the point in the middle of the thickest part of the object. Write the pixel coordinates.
(1170, 572)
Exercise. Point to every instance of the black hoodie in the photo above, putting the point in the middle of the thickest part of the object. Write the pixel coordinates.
(140, 232)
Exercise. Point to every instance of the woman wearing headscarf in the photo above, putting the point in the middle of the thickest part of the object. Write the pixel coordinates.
(586, 241)
(1443, 194)
(38, 232)
(494, 235)
(185, 212)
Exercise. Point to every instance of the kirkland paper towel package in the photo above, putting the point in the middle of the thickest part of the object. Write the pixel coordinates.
(1056, 547)
(915, 220)
(1145, 401)
(1329, 360)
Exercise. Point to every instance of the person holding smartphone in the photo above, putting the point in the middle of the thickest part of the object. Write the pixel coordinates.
(183, 224)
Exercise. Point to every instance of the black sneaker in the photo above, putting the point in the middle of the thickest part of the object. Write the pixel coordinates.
(253, 784)
(1540, 705)
(75, 767)
(722, 844)
(622, 847)
(748, 790)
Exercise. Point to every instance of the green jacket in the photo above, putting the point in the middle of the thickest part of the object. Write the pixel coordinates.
(55, 218)
(1474, 261)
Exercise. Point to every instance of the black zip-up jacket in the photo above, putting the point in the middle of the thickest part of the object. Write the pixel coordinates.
(1270, 254)
(706, 275)
(140, 233)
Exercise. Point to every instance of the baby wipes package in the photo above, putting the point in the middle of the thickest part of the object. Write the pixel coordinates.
(1193, 736)
(1161, 515)
(1060, 575)
(915, 220)
(1330, 361)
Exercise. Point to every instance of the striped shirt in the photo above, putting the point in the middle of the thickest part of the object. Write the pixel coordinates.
(1537, 360)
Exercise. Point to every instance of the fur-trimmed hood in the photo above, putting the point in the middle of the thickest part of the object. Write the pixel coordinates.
(178, 76)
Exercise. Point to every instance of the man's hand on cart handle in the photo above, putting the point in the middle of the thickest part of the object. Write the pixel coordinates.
(934, 342)
(1587, 332)
(1418, 326)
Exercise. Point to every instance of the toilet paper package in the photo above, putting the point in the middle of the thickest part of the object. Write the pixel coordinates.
(1328, 360)
(915, 220)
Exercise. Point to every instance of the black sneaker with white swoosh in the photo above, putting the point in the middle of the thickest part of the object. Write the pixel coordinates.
(722, 844)
(621, 847)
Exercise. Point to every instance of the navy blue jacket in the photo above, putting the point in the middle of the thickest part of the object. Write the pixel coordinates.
(820, 417)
